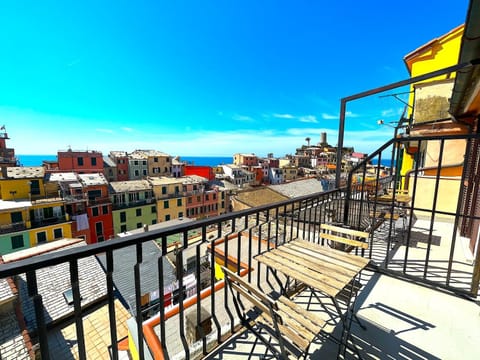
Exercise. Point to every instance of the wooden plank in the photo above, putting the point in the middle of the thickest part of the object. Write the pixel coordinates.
(343, 240)
(351, 259)
(288, 334)
(310, 321)
(253, 299)
(246, 284)
(321, 282)
(314, 264)
(347, 231)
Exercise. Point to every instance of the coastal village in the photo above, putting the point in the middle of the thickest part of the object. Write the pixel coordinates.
(137, 255)
(90, 196)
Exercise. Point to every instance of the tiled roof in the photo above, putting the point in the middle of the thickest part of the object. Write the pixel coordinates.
(12, 345)
(5, 291)
(96, 326)
(25, 172)
(298, 188)
(259, 197)
(124, 260)
(93, 179)
(53, 281)
(131, 185)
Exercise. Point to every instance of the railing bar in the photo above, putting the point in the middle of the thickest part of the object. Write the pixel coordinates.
(138, 300)
(434, 207)
(161, 298)
(181, 294)
(39, 313)
(276, 227)
(212, 290)
(468, 148)
(111, 303)
(412, 206)
(225, 291)
(77, 309)
(198, 290)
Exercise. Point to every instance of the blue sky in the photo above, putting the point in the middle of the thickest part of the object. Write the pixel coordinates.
(205, 78)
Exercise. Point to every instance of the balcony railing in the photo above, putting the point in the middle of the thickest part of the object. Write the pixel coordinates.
(234, 239)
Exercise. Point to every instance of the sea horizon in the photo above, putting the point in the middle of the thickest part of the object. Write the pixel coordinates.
(36, 160)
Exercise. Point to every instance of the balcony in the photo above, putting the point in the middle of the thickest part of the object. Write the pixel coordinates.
(416, 299)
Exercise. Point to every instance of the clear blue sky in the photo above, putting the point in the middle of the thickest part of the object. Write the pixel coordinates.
(205, 77)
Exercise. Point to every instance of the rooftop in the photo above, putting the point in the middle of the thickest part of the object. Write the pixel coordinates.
(131, 185)
(25, 172)
(93, 179)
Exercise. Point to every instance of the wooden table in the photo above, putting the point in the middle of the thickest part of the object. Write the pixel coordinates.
(320, 268)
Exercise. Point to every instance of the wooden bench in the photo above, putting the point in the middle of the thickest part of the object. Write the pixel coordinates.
(343, 238)
(291, 325)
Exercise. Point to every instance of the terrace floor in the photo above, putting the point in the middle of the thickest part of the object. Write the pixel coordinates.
(404, 320)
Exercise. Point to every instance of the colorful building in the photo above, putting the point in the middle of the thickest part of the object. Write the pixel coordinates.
(81, 162)
(203, 171)
(170, 197)
(133, 204)
(7, 155)
(245, 159)
(120, 158)
(99, 206)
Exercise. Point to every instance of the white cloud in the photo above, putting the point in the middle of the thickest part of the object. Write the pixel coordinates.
(326, 116)
(283, 116)
(350, 114)
(238, 117)
(127, 129)
(308, 119)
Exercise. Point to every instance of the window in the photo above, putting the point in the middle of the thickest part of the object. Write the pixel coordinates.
(138, 212)
(80, 161)
(34, 187)
(199, 199)
(123, 216)
(123, 228)
(154, 221)
(154, 209)
(214, 196)
(99, 228)
(57, 233)
(139, 225)
(17, 242)
(190, 200)
(144, 172)
(133, 197)
(207, 197)
(167, 217)
(167, 159)
(94, 161)
(144, 162)
(16, 217)
(164, 190)
(165, 204)
(41, 237)
(100, 238)
(137, 173)
(177, 190)
(105, 209)
(179, 202)
(48, 213)
(95, 211)
(135, 162)
(180, 214)
(93, 194)
(155, 159)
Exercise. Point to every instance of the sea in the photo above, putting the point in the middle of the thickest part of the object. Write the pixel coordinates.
(36, 160)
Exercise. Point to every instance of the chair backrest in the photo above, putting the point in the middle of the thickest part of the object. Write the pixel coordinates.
(262, 301)
(350, 237)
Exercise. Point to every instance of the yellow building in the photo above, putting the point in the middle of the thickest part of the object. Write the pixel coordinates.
(429, 103)
(28, 216)
(169, 195)
(429, 116)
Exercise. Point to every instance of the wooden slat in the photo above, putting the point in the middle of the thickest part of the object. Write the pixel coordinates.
(343, 240)
(340, 256)
(319, 281)
(253, 299)
(288, 334)
(310, 321)
(342, 230)
(246, 284)
(314, 264)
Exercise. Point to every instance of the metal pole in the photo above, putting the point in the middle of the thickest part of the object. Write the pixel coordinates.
(343, 103)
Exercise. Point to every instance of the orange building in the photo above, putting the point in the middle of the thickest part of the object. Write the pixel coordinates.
(81, 162)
